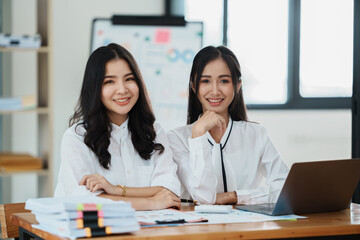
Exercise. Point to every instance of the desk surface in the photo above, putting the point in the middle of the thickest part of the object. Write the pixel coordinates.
(321, 224)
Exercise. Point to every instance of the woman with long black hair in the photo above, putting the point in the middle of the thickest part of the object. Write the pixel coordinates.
(114, 148)
(222, 157)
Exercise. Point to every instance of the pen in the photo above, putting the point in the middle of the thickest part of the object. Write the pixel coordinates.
(171, 221)
(188, 200)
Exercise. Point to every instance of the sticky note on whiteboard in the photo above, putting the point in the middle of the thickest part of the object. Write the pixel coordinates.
(162, 36)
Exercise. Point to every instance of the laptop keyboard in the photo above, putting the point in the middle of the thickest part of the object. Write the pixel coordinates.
(266, 208)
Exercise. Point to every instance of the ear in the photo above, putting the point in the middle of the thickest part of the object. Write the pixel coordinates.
(192, 86)
(239, 86)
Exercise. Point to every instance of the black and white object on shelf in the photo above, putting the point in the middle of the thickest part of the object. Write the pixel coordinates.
(20, 41)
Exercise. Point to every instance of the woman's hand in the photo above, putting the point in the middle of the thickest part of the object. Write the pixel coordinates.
(95, 182)
(209, 121)
(164, 199)
(226, 198)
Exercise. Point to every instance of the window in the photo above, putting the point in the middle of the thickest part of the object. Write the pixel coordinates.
(293, 53)
(211, 16)
(326, 48)
(258, 37)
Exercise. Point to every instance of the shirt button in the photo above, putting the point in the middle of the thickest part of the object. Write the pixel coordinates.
(129, 172)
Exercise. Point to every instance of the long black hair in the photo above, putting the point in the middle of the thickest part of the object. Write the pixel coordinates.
(92, 114)
(237, 108)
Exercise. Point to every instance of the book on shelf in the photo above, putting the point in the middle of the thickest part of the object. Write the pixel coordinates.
(13, 162)
(18, 103)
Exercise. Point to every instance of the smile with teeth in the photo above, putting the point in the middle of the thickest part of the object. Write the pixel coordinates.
(215, 100)
(121, 100)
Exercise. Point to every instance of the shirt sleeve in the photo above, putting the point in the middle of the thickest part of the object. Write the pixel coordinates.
(164, 173)
(195, 167)
(273, 168)
(76, 162)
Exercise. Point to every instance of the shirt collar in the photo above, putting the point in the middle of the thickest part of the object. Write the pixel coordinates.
(119, 131)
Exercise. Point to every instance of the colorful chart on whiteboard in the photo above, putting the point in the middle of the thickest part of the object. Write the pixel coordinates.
(164, 55)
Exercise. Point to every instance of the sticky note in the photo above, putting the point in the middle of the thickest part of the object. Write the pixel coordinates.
(162, 36)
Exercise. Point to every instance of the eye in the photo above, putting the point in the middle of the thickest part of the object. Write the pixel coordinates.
(204, 81)
(130, 79)
(224, 81)
(108, 81)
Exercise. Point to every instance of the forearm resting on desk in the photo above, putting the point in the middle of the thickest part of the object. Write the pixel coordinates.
(96, 182)
(140, 191)
(161, 200)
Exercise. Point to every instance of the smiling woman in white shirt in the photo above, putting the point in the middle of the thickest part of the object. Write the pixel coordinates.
(114, 148)
(222, 157)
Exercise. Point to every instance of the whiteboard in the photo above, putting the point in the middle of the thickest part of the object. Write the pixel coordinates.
(164, 55)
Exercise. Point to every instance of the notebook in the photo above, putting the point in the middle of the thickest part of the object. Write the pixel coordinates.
(313, 187)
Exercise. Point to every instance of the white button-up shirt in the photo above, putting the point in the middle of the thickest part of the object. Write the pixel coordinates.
(127, 167)
(254, 168)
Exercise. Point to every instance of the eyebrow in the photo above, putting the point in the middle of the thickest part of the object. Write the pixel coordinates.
(112, 76)
(220, 76)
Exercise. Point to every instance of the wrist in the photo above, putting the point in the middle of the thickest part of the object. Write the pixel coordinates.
(151, 203)
(196, 132)
(122, 189)
(233, 197)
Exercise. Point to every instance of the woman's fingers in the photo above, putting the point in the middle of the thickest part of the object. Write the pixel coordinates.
(94, 182)
(206, 122)
(212, 119)
(83, 180)
(96, 187)
(166, 199)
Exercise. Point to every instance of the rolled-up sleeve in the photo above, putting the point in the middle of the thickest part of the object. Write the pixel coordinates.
(165, 169)
(75, 163)
(271, 166)
(194, 166)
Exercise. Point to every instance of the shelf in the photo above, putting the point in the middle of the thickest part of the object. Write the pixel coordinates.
(43, 172)
(44, 49)
(40, 110)
(28, 72)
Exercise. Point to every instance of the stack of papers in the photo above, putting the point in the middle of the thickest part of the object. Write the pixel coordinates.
(76, 217)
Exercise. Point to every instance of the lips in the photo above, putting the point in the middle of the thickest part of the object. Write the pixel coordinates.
(122, 101)
(215, 101)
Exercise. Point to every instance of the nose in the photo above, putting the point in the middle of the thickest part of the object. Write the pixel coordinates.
(214, 87)
(121, 88)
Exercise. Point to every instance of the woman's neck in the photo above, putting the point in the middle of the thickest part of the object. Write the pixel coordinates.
(117, 120)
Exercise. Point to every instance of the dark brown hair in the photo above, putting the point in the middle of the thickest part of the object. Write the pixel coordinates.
(91, 113)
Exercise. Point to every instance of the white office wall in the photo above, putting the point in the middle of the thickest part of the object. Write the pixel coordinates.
(71, 32)
(307, 135)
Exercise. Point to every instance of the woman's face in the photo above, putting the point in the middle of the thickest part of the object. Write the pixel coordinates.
(216, 91)
(120, 91)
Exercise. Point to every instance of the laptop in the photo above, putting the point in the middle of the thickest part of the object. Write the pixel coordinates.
(313, 187)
